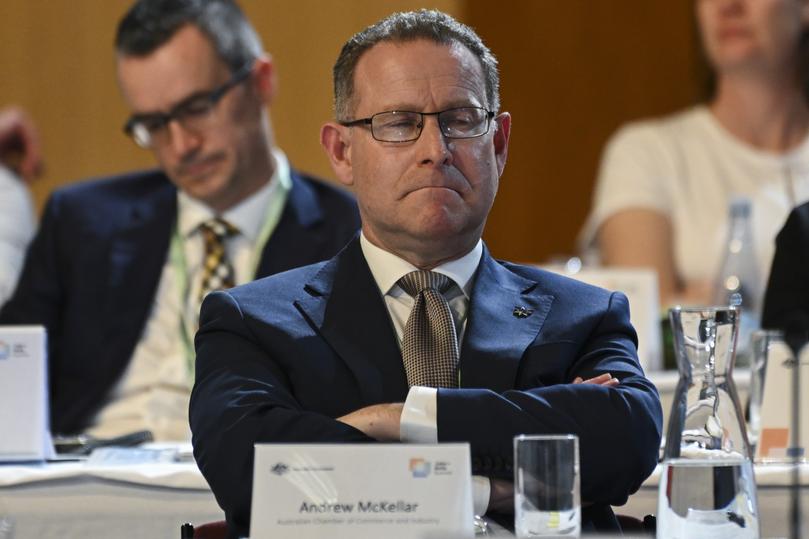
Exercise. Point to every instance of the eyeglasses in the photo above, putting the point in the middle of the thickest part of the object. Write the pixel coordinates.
(406, 126)
(193, 113)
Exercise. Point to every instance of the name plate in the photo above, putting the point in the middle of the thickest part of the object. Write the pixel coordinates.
(362, 491)
(776, 436)
(24, 422)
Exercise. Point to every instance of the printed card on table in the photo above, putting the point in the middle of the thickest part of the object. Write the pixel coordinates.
(776, 406)
(24, 412)
(363, 491)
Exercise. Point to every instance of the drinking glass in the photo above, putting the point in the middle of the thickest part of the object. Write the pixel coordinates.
(546, 486)
(760, 344)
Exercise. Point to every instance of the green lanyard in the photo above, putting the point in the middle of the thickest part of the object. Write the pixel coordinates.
(179, 263)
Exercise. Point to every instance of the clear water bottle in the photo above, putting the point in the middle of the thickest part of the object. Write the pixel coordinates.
(738, 282)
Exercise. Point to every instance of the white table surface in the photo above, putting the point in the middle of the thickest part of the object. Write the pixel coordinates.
(81, 500)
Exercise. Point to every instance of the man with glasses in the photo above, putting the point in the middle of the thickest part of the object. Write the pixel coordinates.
(414, 332)
(119, 267)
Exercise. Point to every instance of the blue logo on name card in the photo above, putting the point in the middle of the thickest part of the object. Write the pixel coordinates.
(420, 467)
(5, 350)
(280, 469)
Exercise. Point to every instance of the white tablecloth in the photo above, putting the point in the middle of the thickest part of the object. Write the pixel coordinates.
(74, 499)
(83, 500)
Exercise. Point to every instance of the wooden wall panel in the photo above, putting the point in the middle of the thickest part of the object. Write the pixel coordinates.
(304, 39)
(57, 62)
(571, 72)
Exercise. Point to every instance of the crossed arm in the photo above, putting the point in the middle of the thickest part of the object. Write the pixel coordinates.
(382, 422)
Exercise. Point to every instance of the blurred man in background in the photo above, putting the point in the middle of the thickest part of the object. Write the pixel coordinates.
(120, 265)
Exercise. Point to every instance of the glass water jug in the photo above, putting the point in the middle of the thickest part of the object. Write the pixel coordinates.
(707, 485)
(706, 418)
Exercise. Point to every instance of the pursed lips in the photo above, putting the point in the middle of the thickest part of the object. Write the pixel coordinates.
(198, 167)
(730, 32)
(443, 184)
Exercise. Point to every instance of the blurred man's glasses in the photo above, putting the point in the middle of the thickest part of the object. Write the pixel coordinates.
(406, 126)
(149, 130)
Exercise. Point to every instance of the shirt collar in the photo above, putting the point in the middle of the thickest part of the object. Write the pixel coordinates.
(247, 216)
(387, 268)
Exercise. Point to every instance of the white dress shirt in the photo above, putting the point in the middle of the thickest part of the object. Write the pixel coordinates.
(17, 227)
(419, 417)
(154, 392)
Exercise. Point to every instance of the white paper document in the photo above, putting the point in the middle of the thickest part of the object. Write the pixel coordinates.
(362, 491)
(24, 424)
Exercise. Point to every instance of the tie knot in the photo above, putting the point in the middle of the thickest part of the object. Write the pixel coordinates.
(217, 229)
(416, 281)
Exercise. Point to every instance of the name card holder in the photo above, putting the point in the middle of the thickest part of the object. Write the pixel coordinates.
(24, 413)
(362, 491)
(776, 435)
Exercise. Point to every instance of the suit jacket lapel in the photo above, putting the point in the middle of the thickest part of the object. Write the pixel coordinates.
(301, 212)
(506, 313)
(347, 308)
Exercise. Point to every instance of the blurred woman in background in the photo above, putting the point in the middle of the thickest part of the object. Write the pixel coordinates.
(664, 186)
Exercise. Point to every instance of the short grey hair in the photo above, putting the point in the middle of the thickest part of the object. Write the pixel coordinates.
(402, 27)
(149, 24)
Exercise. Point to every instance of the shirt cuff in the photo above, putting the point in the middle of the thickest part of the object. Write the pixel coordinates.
(481, 490)
(418, 422)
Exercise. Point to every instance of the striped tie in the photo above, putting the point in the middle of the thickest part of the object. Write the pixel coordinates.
(217, 272)
(429, 345)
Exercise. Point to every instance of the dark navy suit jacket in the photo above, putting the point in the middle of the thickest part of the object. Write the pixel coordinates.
(92, 272)
(278, 359)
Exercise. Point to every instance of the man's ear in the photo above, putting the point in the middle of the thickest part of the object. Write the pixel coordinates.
(264, 79)
(501, 135)
(336, 141)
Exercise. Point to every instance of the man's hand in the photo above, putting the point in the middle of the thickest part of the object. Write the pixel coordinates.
(501, 496)
(19, 144)
(605, 379)
(379, 421)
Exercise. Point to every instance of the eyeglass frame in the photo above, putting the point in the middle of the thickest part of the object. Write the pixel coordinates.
(213, 97)
(369, 122)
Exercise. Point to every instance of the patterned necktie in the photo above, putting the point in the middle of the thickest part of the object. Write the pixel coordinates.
(429, 345)
(217, 272)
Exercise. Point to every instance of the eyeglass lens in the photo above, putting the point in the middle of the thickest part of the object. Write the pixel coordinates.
(402, 126)
(192, 115)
